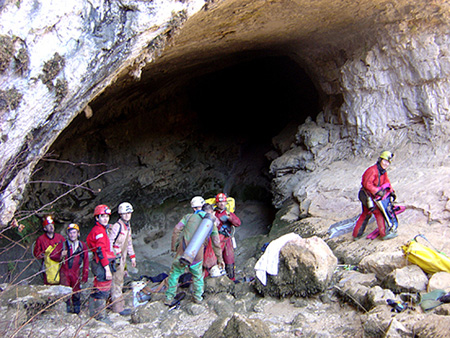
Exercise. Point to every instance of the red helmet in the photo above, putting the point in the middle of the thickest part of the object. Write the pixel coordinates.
(102, 209)
(47, 220)
(221, 197)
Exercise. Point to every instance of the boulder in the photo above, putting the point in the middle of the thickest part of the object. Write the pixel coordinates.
(148, 312)
(440, 280)
(305, 267)
(432, 326)
(238, 326)
(383, 263)
(219, 284)
(24, 302)
(411, 278)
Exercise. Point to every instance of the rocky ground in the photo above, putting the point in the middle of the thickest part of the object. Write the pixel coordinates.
(353, 304)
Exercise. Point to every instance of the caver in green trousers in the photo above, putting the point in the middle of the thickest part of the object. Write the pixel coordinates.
(197, 279)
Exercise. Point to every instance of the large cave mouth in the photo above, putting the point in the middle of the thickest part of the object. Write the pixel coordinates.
(208, 135)
(255, 99)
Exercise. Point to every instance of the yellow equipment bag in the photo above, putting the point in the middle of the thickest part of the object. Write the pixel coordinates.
(430, 260)
(230, 203)
(51, 266)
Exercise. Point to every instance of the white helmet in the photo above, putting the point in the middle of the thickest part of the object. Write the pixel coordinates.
(197, 202)
(215, 271)
(125, 207)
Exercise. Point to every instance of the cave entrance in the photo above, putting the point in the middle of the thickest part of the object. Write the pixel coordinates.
(170, 143)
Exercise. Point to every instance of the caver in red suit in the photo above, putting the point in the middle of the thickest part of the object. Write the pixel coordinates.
(227, 220)
(372, 180)
(101, 264)
(98, 242)
(74, 267)
(43, 242)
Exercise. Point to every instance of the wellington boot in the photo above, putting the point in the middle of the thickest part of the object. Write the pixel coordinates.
(106, 320)
(97, 309)
(390, 236)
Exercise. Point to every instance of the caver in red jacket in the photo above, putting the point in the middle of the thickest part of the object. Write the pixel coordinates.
(98, 242)
(373, 178)
(42, 243)
(226, 221)
(71, 273)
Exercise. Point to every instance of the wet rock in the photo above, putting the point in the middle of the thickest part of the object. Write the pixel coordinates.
(237, 326)
(411, 278)
(304, 269)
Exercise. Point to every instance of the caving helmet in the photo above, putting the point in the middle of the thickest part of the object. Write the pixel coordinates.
(102, 209)
(72, 226)
(387, 155)
(47, 220)
(197, 202)
(215, 271)
(221, 197)
(125, 208)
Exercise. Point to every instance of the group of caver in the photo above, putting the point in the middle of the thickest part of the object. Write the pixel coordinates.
(66, 260)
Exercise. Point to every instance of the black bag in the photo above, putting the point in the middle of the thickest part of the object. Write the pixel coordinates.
(365, 199)
(99, 271)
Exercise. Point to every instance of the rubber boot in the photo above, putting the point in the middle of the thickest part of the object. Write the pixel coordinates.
(229, 268)
(93, 307)
(76, 306)
(97, 310)
(69, 306)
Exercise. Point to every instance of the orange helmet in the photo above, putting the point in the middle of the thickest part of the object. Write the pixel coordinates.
(47, 220)
(221, 197)
(72, 226)
(102, 209)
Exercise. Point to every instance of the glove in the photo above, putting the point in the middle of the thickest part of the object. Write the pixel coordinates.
(224, 218)
(394, 196)
(380, 193)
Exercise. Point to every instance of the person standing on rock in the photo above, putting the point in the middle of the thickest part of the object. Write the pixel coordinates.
(181, 237)
(372, 180)
(102, 264)
(227, 220)
(45, 249)
(74, 266)
(122, 244)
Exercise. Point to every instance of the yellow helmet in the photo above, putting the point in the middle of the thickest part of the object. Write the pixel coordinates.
(73, 226)
(387, 155)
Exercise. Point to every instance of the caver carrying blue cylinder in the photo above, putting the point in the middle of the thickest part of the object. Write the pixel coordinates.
(203, 230)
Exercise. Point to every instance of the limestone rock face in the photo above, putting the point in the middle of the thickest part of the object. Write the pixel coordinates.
(55, 58)
(380, 69)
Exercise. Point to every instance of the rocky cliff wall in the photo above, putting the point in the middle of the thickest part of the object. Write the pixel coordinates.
(379, 68)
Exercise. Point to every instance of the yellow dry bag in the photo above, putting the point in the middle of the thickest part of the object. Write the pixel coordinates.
(230, 203)
(430, 260)
(51, 266)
